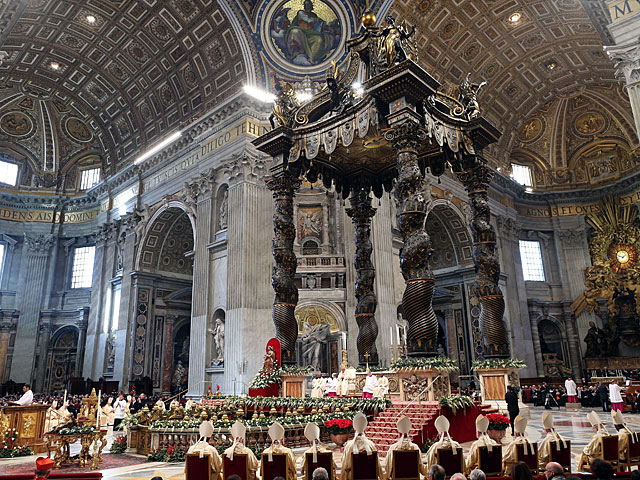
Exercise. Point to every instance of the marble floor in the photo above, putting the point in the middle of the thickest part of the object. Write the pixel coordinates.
(573, 425)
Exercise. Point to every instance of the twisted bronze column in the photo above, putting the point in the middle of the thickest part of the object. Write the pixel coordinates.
(416, 251)
(284, 186)
(476, 181)
(361, 213)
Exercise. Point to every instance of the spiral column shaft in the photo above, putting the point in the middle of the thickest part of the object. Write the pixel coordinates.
(476, 181)
(361, 213)
(416, 251)
(283, 186)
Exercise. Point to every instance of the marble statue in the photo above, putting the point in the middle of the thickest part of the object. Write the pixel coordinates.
(178, 374)
(312, 341)
(224, 209)
(218, 340)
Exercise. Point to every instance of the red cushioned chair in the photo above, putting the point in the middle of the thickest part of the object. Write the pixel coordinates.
(450, 462)
(405, 465)
(197, 467)
(325, 460)
(365, 467)
(633, 454)
(531, 459)
(609, 449)
(561, 456)
(238, 466)
(490, 462)
(276, 468)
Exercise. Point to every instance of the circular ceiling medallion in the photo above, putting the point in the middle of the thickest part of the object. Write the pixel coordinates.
(305, 35)
(531, 130)
(17, 124)
(590, 123)
(78, 130)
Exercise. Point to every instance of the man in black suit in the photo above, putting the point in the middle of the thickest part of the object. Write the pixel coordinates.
(603, 392)
(511, 397)
(139, 403)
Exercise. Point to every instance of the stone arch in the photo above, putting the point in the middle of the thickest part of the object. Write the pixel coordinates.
(330, 307)
(450, 236)
(157, 237)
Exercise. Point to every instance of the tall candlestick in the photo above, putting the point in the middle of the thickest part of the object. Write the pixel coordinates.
(98, 410)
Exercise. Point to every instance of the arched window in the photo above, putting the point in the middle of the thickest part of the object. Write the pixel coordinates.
(310, 247)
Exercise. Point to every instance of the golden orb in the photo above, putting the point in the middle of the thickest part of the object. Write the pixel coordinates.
(368, 19)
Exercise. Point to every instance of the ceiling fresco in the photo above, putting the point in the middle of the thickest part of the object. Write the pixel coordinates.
(135, 71)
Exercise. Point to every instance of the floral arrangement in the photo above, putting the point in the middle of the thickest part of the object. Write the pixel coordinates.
(119, 445)
(218, 393)
(129, 421)
(455, 402)
(427, 444)
(441, 364)
(498, 421)
(264, 379)
(339, 426)
(209, 394)
(498, 363)
(171, 454)
(8, 448)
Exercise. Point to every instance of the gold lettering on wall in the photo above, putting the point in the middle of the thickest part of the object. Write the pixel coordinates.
(43, 216)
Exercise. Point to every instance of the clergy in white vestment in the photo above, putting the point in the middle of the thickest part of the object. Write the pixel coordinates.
(203, 447)
(359, 445)
(572, 390)
(552, 438)
(484, 440)
(276, 434)
(239, 432)
(26, 398)
(615, 396)
(509, 453)
(382, 389)
(331, 388)
(370, 385)
(312, 432)
(445, 442)
(404, 444)
(317, 387)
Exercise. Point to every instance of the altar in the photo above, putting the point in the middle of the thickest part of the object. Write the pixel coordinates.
(92, 443)
(28, 422)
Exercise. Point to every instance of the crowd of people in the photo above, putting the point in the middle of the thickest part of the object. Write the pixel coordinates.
(597, 395)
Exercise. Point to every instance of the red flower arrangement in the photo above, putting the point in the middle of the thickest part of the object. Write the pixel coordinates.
(498, 421)
(338, 426)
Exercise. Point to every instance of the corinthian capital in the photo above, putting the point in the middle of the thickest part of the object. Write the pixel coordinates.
(627, 62)
(38, 243)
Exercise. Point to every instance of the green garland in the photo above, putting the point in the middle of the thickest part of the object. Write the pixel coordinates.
(441, 364)
(119, 445)
(498, 363)
(296, 370)
(456, 402)
(373, 368)
(75, 430)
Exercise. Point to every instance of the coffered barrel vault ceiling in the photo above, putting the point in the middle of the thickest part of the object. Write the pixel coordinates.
(141, 69)
(144, 68)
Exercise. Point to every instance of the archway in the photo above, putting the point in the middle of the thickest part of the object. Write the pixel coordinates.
(163, 281)
(451, 261)
(61, 359)
(553, 348)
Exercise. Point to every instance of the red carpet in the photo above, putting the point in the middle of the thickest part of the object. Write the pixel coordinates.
(108, 461)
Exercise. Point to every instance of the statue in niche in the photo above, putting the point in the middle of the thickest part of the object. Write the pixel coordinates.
(179, 375)
(224, 210)
(592, 340)
(313, 340)
(111, 350)
(184, 351)
(218, 339)
(610, 341)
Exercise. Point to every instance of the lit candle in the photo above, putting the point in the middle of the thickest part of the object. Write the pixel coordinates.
(65, 397)
(344, 341)
(405, 335)
(391, 336)
(398, 333)
(98, 411)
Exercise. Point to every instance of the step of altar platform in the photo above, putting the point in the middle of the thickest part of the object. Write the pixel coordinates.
(383, 429)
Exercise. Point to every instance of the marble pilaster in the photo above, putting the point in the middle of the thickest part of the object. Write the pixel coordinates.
(5, 331)
(43, 340)
(35, 259)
